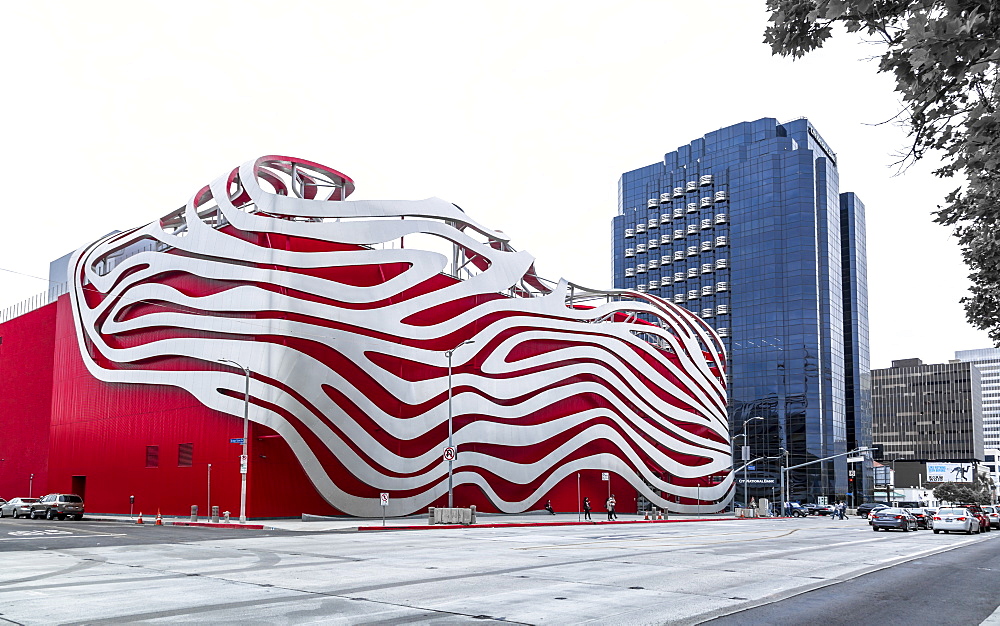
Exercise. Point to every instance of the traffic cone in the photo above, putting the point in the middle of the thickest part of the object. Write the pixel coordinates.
(159, 518)
(647, 516)
(139, 521)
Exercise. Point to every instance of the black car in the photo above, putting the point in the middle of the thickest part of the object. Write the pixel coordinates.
(864, 510)
(925, 519)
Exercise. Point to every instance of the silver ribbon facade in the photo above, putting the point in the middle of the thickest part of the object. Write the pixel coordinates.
(343, 310)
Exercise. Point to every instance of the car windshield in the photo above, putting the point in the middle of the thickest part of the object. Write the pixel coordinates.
(952, 512)
(891, 512)
(27, 500)
(990, 509)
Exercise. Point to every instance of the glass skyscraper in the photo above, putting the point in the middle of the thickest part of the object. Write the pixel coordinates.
(747, 228)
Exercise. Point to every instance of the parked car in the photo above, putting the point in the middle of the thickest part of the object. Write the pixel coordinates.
(61, 505)
(864, 510)
(794, 509)
(956, 519)
(819, 509)
(17, 507)
(925, 520)
(993, 513)
(883, 519)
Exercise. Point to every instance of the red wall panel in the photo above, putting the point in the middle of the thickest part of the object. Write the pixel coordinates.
(26, 353)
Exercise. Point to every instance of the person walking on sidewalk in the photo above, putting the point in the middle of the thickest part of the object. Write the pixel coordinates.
(611, 508)
(586, 509)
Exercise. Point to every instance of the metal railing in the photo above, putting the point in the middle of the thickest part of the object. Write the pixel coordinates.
(34, 302)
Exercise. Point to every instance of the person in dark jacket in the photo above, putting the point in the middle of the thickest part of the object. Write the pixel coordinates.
(548, 507)
(586, 509)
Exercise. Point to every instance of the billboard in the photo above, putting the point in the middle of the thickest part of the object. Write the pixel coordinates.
(950, 472)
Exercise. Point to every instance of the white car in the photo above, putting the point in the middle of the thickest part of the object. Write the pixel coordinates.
(956, 519)
(993, 513)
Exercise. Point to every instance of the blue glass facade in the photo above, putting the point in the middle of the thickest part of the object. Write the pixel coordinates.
(747, 227)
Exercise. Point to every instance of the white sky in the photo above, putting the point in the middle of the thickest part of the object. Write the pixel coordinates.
(525, 114)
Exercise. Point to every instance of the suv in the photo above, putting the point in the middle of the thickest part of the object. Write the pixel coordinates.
(61, 505)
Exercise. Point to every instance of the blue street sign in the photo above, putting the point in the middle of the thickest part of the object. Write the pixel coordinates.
(236, 440)
(749, 467)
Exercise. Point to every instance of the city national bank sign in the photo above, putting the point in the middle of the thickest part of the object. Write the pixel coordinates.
(949, 472)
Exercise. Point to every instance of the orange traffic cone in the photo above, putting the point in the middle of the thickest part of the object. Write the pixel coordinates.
(647, 516)
(139, 521)
(159, 518)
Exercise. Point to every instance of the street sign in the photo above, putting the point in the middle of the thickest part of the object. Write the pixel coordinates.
(746, 453)
(751, 467)
(243, 464)
(449, 453)
(605, 476)
(236, 440)
(384, 499)
(852, 473)
(756, 481)
(855, 459)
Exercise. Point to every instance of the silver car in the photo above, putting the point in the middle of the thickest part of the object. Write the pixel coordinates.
(18, 507)
(993, 514)
(956, 519)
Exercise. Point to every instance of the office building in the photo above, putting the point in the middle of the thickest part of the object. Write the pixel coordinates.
(747, 228)
(988, 362)
(928, 412)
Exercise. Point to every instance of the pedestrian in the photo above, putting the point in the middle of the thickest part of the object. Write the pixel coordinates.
(611, 508)
(586, 509)
(843, 510)
(548, 507)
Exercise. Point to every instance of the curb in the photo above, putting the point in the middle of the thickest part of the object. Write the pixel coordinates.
(219, 525)
(546, 524)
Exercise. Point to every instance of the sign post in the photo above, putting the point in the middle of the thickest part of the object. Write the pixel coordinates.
(384, 500)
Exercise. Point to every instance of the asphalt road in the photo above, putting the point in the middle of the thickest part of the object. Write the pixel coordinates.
(684, 573)
(961, 586)
(26, 534)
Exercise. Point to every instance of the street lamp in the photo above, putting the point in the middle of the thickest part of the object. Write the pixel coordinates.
(781, 474)
(451, 460)
(746, 485)
(245, 458)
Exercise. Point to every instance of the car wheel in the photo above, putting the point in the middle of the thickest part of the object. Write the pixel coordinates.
(78, 517)
(62, 517)
(969, 532)
(936, 531)
(50, 515)
(906, 527)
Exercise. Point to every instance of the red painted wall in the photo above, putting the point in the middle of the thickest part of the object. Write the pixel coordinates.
(26, 353)
(102, 430)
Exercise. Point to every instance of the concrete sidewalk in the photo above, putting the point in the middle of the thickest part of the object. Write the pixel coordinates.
(313, 523)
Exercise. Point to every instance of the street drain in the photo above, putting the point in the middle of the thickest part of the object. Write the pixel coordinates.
(636, 587)
(560, 598)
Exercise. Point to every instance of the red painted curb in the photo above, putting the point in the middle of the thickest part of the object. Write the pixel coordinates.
(219, 525)
(537, 524)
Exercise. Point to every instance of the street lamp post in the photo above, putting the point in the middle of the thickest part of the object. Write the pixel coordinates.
(244, 466)
(746, 485)
(451, 460)
(781, 474)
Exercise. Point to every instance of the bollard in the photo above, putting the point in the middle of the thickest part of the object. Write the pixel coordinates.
(430, 515)
(194, 512)
(473, 507)
(226, 516)
(215, 514)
